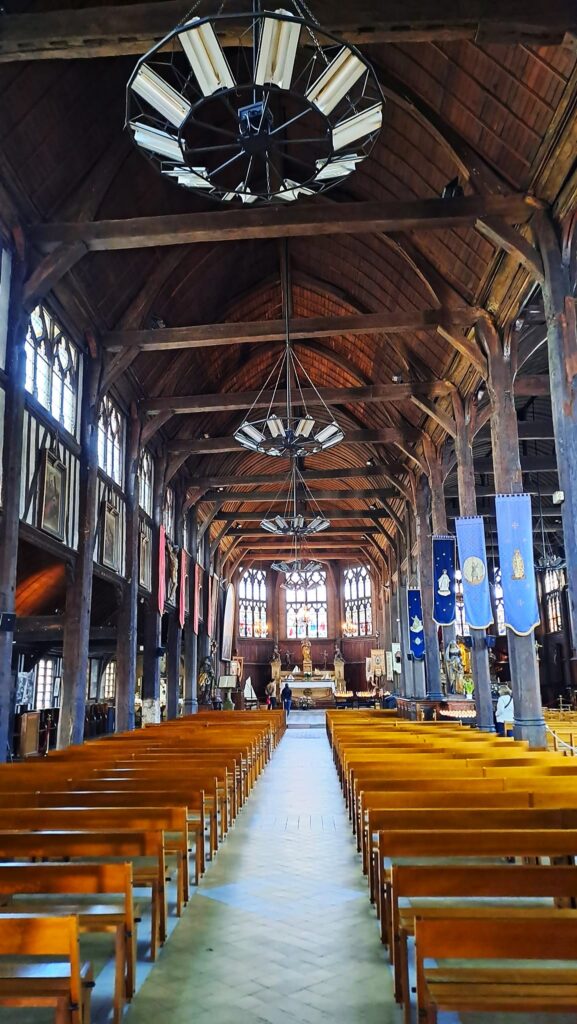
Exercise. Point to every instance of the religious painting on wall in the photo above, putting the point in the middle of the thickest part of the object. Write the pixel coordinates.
(145, 567)
(51, 505)
(110, 536)
(377, 662)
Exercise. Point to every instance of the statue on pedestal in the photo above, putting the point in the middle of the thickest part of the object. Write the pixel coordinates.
(275, 670)
(454, 668)
(339, 663)
(307, 658)
(206, 684)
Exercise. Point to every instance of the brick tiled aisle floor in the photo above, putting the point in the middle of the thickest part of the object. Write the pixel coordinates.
(281, 929)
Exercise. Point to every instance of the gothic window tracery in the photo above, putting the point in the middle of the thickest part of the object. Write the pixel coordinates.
(52, 368)
(358, 601)
(306, 606)
(252, 621)
(110, 440)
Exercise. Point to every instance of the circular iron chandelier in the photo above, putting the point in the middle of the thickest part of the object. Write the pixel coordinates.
(257, 106)
(294, 523)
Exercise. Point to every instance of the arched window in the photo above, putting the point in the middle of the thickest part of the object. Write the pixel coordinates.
(252, 604)
(553, 583)
(500, 607)
(358, 603)
(168, 513)
(52, 368)
(145, 478)
(306, 605)
(110, 440)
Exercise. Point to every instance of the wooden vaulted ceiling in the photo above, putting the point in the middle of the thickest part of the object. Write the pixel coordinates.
(499, 116)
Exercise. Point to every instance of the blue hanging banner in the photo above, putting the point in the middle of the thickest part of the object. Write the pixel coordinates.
(473, 562)
(416, 634)
(515, 537)
(443, 580)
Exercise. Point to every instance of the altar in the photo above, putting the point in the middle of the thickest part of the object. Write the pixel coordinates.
(314, 683)
(317, 688)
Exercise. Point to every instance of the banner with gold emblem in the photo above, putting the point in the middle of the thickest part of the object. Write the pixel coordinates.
(475, 578)
(443, 580)
(515, 537)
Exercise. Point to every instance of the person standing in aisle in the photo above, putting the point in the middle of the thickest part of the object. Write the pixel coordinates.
(505, 711)
(286, 697)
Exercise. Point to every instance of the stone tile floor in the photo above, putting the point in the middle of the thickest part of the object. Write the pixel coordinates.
(281, 930)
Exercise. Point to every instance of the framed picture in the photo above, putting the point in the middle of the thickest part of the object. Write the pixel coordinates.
(144, 561)
(110, 537)
(237, 667)
(51, 507)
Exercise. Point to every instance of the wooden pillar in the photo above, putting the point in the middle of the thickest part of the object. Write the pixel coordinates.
(153, 622)
(174, 638)
(79, 591)
(190, 702)
(432, 663)
(464, 414)
(127, 636)
(562, 351)
(529, 721)
(438, 513)
(11, 481)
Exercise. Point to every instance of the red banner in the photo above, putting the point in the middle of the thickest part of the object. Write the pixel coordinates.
(197, 579)
(183, 586)
(161, 569)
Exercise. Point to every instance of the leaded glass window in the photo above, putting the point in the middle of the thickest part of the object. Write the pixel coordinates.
(553, 583)
(44, 684)
(110, 440)
(145, 478)
(460, 620)
(306, 605)
(358, 602)
(252, 604)
(52, 368)
(499, 605)
(109, 682)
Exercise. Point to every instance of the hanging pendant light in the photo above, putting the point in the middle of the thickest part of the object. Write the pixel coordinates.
(294, 433)
(257, 106)
(294, 523)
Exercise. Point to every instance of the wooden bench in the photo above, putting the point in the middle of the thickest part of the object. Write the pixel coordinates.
(56, 888)
(518, 882)
(100, 846)
(508, 987)
(64, 983)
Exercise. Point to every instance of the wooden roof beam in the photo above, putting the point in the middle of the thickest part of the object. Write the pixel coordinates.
(115, 30)
(301, 220)
(244, 400)
(253, 496)
(308, 475)
(301, 328)
(342, 514)
(221, 445)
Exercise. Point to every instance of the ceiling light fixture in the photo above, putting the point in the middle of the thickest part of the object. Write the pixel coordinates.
(260, 105)
(294, 523)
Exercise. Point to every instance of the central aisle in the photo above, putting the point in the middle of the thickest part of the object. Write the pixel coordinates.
(281, 929)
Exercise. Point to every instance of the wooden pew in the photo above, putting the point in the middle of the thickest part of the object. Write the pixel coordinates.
(64, 985)
(59, 886)
(409, 882)
(99, 846)
(491, 989)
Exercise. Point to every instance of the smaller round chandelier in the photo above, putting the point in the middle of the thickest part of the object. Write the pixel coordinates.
(296, 432)
(254, 106)
(293, 523)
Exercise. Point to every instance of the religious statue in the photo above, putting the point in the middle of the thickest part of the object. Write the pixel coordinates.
(454, 668)
(287, 659)
(518, 566)
(172, 563)
(416, 625)
(206, 683)
(275, 668)
(307, 657)
(339, 663)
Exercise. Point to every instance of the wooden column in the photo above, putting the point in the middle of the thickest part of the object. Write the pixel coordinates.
(153, 623)
(529, 721)
(438, 512)
(11, 480)
(423, 508)
(79, 591)
(127, 636)
(562, 351)
(464, 413)
(419, 679)
(190, 703)
(174, 639)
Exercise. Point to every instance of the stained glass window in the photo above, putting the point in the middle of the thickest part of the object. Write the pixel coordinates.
(553, 583)
(306, 606)
(252, 604)
(145, 478)
(110, 440)
(358, 603)
(52, 368)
